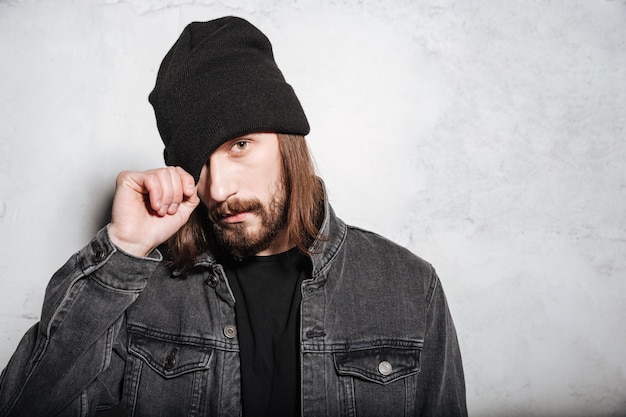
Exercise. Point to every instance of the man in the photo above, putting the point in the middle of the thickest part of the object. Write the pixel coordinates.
(262, 302)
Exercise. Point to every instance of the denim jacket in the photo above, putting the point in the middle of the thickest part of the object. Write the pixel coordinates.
(376, 336)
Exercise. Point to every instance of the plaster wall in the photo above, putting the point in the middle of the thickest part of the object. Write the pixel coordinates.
(486, 136)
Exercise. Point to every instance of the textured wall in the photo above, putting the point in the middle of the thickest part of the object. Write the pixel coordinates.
(487, 136)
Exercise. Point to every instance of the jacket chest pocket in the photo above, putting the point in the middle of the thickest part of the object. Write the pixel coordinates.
(380, 381)
(166, 377)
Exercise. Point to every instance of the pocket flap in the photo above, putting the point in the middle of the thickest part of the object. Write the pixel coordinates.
(169, 358)
(381, 365)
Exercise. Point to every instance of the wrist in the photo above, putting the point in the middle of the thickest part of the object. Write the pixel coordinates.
(134, 248)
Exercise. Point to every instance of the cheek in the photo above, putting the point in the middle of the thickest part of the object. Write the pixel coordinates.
(272, 181)
(273, 172)
(203, 198)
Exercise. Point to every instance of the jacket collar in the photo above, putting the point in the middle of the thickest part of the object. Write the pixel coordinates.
(329, 240)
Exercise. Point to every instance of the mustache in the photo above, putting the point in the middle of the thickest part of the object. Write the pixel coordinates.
(233, 206)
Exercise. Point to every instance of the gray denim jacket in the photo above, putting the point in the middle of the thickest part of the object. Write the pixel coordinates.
(376, 337)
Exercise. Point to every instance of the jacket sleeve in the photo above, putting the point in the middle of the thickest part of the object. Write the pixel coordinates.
(441, 384)
(73, 358)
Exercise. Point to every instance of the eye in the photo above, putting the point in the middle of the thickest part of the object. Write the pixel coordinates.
(240, 145)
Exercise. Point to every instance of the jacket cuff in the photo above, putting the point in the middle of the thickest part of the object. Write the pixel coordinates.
(114, 268)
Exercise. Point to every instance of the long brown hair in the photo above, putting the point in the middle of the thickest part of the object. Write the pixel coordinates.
(304, 207)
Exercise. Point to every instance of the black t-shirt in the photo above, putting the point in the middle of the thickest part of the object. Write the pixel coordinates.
(267, 295)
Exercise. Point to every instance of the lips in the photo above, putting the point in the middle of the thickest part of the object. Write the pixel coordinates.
(234, 210)
(235, 217)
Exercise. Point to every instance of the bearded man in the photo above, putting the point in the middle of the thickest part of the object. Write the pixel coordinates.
(225, 285)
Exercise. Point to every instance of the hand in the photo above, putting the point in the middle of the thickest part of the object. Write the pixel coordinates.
(149, 207)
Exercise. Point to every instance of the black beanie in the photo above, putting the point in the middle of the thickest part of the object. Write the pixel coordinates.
(220, 81)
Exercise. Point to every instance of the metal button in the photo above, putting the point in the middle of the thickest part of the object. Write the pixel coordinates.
(230, 331)
(212, 281)
(98, 253)
(385, 368)
(170, 360)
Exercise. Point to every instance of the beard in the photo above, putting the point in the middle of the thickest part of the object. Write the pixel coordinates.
(237, 239)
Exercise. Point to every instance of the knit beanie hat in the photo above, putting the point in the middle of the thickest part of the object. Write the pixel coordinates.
(220, 81)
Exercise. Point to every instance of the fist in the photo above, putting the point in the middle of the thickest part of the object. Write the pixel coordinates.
(149, 207)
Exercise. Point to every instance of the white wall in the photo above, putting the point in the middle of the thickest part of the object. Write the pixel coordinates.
(487, 136)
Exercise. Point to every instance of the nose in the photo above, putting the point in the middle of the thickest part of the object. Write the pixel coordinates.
(222, 179)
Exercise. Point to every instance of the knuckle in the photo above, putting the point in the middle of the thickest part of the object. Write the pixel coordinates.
(121, 176)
